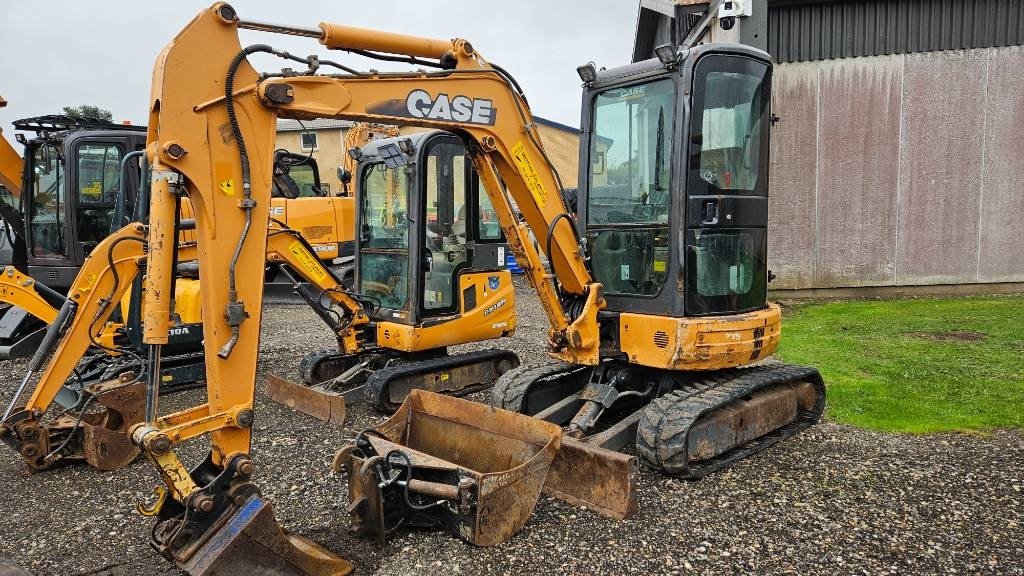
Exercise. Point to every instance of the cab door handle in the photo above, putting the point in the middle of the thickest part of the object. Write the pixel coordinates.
(709, 212)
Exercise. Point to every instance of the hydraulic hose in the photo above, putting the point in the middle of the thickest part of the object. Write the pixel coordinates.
(235, 312)
(121, 203)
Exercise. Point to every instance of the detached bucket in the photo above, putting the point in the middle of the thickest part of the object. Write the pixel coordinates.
(474, 470)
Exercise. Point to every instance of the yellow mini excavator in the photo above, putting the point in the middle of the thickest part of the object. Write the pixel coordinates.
(656, 298)
(430, 272)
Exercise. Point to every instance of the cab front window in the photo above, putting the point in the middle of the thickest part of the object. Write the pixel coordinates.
(629, 194)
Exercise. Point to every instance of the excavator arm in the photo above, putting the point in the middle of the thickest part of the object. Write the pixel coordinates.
(84, 323)
(505, 147)
(79, 324)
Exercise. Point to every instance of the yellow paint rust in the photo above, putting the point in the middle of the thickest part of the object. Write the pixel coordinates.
(700, 343)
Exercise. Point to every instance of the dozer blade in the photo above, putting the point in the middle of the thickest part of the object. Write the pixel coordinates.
(600, 479)
(446, 462)
(251, 543)
(317, 402)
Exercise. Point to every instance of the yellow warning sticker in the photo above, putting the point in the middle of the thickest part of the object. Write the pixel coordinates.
(308, 261)
(228, 187)
(660, 265)
(529, 173)
(92, 189)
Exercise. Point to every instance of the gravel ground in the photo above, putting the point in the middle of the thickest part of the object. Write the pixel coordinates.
(834, 500)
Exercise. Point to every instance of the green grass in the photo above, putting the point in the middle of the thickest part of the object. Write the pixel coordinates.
(894, 364)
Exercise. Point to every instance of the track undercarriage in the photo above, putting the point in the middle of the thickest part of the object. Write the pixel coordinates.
(686, 424)
(384, 378)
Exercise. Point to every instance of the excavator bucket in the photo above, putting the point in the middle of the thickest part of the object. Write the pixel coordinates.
(97, 434)
(440, 461)
(317, 402)
(251, 542)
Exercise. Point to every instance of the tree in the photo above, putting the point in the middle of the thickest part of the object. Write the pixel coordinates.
(88, 112)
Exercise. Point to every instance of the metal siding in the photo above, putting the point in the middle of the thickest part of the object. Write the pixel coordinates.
(825, 29)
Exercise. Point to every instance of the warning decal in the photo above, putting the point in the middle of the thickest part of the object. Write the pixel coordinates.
(309, 262)
(529, 173)
(228, 187)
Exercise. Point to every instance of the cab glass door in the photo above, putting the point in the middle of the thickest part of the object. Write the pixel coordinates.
(98, 184)
(47, 203)
(629, 190)
(727, 186)
(383, 271)
(447, 225)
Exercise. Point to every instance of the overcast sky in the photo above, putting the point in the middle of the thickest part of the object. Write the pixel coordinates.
(70, 52)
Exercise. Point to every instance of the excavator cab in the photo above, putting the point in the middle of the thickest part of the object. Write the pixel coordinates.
(426, 251)
(673, 216)
(71, 181)
(430, 273)
(675, 202)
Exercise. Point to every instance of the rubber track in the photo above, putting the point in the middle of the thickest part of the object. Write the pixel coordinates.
(663, 432)
(309, 363)
(511, 387)
(378, 381)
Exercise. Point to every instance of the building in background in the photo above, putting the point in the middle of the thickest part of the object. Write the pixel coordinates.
(898, 158)
(325, 140)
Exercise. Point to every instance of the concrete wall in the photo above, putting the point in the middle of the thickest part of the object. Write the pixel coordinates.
(899, 170)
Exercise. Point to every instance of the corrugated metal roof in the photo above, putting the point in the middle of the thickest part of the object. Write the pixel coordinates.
(827, 29)
(319, 124)
(821, 29)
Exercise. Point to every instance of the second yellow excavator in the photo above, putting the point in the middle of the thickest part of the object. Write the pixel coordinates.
(430, 268)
